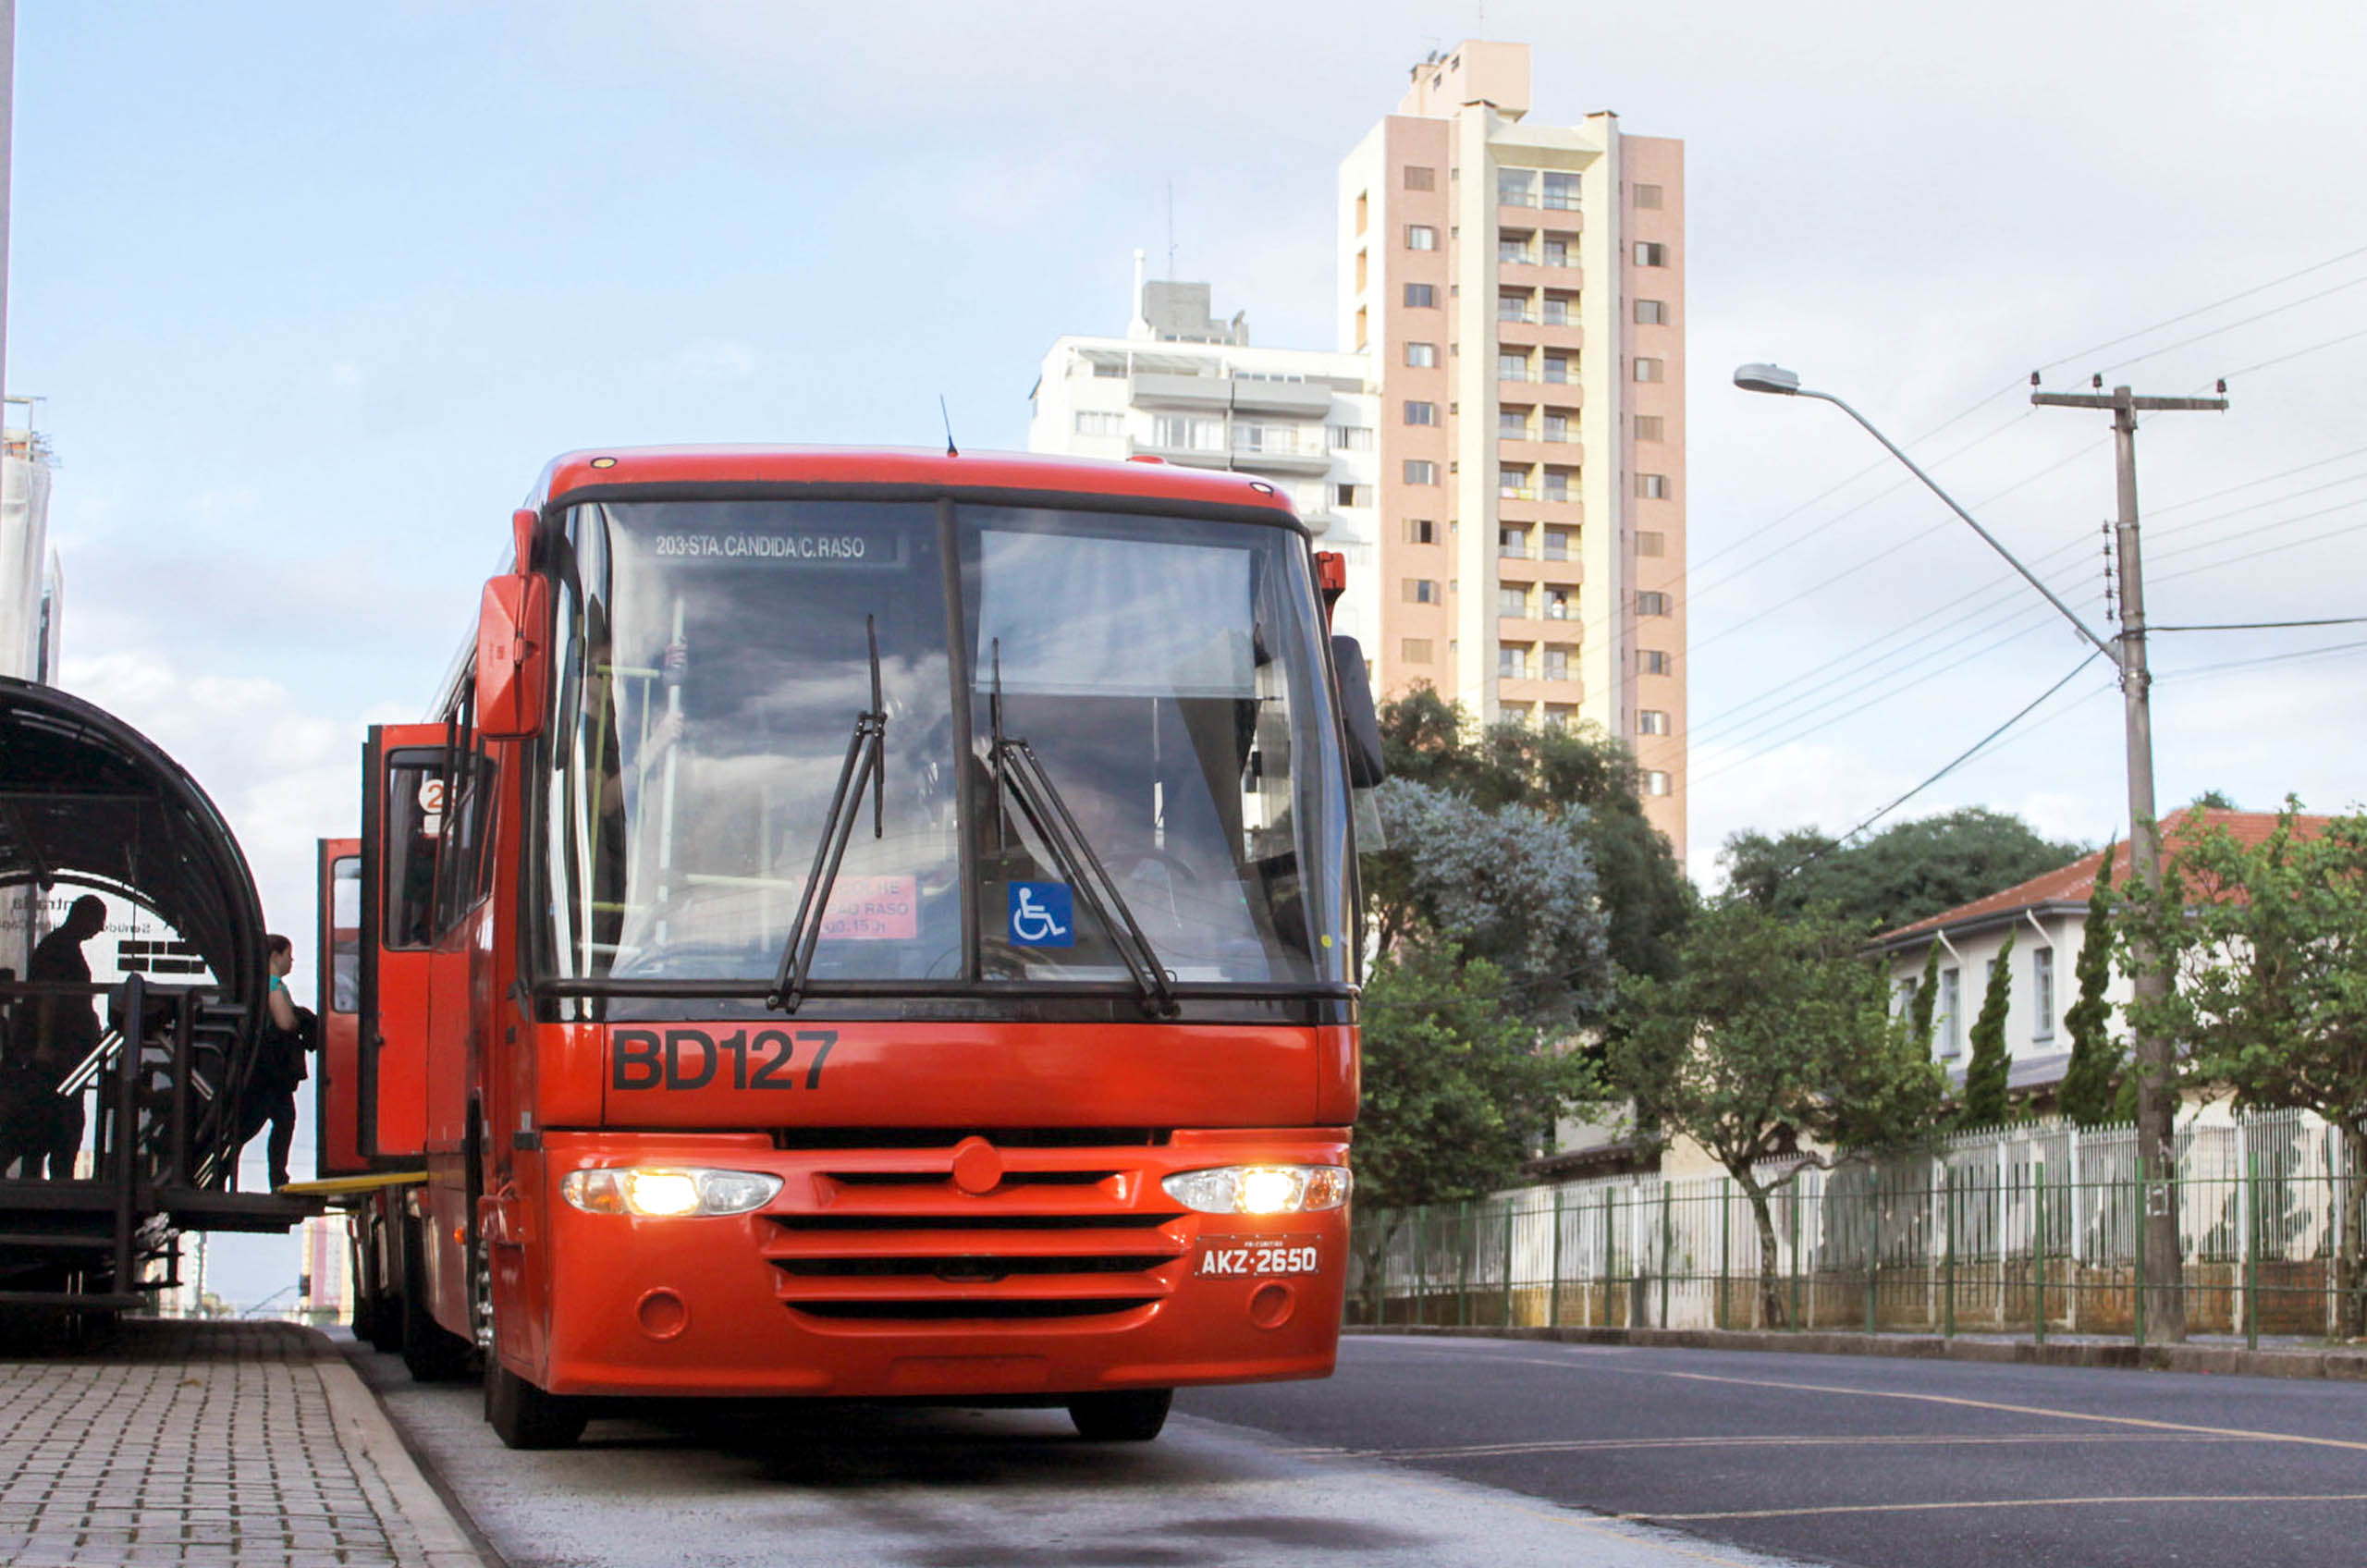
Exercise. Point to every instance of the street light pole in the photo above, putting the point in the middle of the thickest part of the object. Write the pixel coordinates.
(2156, 1096)
(2157, 1104)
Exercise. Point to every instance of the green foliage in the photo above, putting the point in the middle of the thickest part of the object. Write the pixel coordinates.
(1898, 878)
(1579, 773)
(2213, 800)
(2090, 1096)
(1510, 885)
(1456, 1090)
(2266, 946)
(1985, 1074)
(1927, 996)
(1773, 1033)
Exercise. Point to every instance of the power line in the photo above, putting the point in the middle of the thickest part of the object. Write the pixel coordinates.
(2247, 320)
(2265, 625)
(2268, 658)
(2203, 310)
(2296, 353)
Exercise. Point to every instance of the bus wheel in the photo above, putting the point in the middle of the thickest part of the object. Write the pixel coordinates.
(1132, 1416)
(523, 1415)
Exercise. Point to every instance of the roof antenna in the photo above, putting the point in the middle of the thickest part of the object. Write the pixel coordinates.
(951, 449)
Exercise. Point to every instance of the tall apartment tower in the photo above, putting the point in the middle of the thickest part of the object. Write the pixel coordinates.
(1521, 290)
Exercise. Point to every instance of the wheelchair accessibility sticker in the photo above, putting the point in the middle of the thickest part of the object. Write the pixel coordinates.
(1042, 915)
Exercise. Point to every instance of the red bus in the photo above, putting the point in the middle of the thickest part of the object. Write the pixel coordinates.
(864, 924)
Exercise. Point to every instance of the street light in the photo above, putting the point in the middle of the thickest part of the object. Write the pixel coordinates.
(2156, 1109)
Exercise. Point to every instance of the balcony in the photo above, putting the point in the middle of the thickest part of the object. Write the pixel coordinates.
(1306, 456)
(1296, 399)
(1151, 389)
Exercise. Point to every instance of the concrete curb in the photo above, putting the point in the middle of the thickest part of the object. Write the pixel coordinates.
(376, 1447)
(2347, 1363)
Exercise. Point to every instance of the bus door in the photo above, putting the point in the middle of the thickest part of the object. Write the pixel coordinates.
(337, 1086)
(402, 825)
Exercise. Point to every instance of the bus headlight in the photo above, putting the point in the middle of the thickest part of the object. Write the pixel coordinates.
(1260, 1189)
(667, 1193)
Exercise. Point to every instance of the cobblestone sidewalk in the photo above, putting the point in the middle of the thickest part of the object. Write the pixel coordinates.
(252, 1444)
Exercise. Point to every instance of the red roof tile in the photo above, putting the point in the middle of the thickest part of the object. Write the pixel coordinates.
(2075, 882)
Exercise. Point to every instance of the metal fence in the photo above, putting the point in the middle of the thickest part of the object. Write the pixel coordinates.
(2025, 1229)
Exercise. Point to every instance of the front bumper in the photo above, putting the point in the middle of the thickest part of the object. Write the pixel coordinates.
(1012, 1271)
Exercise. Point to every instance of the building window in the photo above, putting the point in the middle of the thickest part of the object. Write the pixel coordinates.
(1560, 309)
(1110, 369)
(1512, 485)
(1178, 434)
(1561, 191)
(1951, 1008)
(1656, 782)
(1421, 177)
(1352, 494)
(1516, 188)
(1422, 356)
(1511, 599)
(1364, 334)
(1423, 591)
(1421, 530)
(1557, 664)
(1282, 440)
(1651, 602)
(1649, 369)
(1650, 542)
(1349, 437)
(1558, 368)
(1651, 721)
(1512, 662)
(1558, 426)
(1651, 486)
(1652, 661)
(1514, 307)
(1415, 650)
(1512, 540)
(1557, 485)
(2042, 992)
(1652, 427)
(1560, 716)
(1421, 296)
(1088, 423)
(1421, 237)
(1420, 413)
(1561, 251)
(1646, 197)
(1512, 367)
(1558, 543)
(1557, 603)
(1421, 470)
(1513, 250)
(1650, 253)
(1651, 313)
(1511, 424)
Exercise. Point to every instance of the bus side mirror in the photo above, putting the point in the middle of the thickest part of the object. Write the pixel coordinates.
(1365, 766)
(513, 656)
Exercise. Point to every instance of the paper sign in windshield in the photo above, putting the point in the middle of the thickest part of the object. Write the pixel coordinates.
(873, 908)
(1043, 914)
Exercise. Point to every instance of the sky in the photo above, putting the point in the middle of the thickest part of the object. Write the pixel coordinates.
(312, 292)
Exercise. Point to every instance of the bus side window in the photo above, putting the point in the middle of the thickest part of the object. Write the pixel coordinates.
(414, 824)
(460, 875)
(345, 934)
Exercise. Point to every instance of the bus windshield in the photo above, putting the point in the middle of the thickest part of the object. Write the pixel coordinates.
(1161, 675)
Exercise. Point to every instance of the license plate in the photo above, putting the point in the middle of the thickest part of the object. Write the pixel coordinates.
(1244, 1257)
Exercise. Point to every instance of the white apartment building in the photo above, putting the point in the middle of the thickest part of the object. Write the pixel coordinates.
(1184, 387)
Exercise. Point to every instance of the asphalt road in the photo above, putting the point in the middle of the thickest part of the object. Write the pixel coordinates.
(978, 1489)
(1426, 1451)
(1873, 1462)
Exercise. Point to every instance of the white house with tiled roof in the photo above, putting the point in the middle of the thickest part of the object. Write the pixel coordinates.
(2047, 918)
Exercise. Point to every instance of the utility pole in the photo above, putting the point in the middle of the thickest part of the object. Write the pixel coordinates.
(2156, 1087)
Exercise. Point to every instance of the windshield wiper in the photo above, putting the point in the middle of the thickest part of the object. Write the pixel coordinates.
(866, 760)
(1016, 762)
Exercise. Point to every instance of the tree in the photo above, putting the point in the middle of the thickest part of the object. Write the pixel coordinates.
(2213, 800)
(2267, 948)
(1508, 884)
(1985, 1076)
(2089, 1093)
(1900, 875)
(1456, 1091)
(1579, 771)
(1927, 996)
(1773, 1034)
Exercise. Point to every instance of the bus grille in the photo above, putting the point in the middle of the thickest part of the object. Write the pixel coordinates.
(1066, 1233)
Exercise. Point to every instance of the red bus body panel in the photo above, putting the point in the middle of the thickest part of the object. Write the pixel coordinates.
(337, 1104)
(398, 1078)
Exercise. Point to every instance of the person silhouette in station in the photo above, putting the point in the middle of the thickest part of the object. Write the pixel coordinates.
(65, 1032)
(286, 1035)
